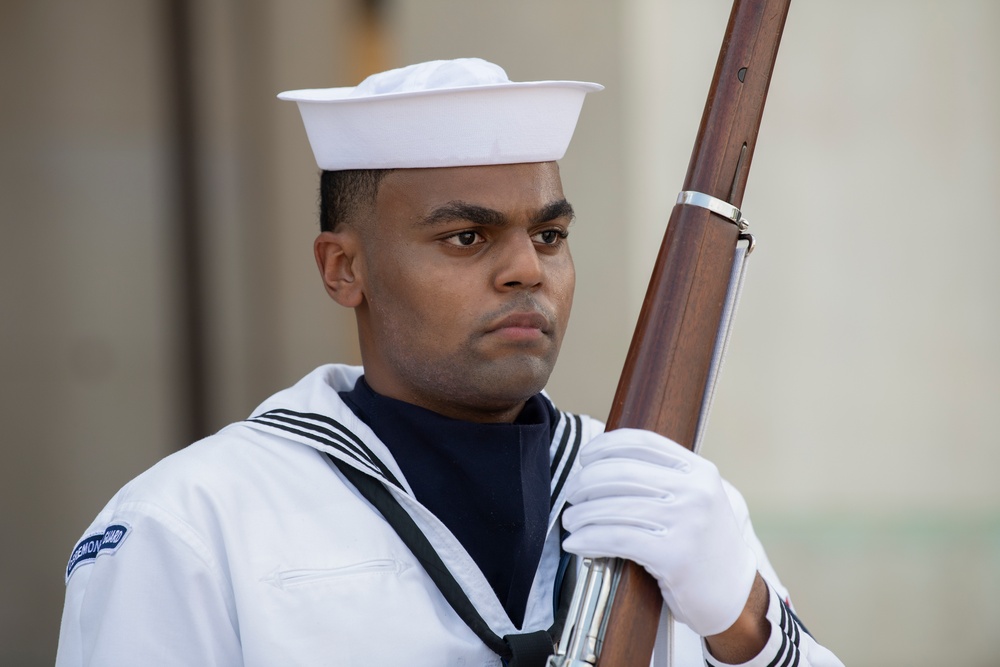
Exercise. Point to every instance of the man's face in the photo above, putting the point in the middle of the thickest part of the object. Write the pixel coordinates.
(467, 284)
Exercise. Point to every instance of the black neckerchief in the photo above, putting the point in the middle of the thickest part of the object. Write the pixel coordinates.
(488, 483)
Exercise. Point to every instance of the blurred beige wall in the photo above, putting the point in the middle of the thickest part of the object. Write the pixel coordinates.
(856, 409)
(85, 335)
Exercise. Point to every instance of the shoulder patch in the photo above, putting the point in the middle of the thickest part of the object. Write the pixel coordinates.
(92, 545)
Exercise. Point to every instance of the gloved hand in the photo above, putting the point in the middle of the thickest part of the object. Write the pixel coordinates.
(645, 498)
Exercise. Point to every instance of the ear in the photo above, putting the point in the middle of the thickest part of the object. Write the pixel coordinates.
(338, 258)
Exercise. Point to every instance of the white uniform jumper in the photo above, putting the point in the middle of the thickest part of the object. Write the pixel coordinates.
(250, 548)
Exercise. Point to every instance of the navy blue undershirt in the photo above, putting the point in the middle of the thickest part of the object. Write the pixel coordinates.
(488, 483)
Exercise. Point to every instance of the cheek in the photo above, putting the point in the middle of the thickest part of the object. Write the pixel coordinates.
(418, 302)
(563, 288)
(448, 308)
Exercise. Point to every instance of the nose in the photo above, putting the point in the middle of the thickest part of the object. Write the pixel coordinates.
(519, 265)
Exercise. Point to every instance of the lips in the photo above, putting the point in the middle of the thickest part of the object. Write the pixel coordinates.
(523, 321)
(521, 325)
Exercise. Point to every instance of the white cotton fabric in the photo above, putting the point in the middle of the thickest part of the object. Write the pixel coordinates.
(644, 497)
(248, 548)
(443, 113)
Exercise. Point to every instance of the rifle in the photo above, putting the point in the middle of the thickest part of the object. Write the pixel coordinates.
(615, 610)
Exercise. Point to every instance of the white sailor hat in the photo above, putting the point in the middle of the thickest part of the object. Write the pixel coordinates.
(443, 113)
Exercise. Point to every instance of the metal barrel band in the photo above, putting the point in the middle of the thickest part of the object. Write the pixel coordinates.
(715, 205)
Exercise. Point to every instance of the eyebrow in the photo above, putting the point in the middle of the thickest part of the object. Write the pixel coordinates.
(481, 215)
(556, 210)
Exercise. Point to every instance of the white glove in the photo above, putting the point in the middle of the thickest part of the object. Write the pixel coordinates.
(645, 498)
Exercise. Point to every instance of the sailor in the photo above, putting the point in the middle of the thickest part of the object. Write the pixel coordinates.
(413, 511)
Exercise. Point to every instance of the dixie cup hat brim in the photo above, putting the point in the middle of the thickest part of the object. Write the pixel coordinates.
(428, 115)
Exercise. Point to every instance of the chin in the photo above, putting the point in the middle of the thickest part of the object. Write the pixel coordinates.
(515, 381)
(483, 385)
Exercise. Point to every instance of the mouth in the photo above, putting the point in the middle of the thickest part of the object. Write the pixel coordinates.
(524, 326)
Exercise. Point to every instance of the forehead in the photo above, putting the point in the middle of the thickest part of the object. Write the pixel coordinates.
(510, 188)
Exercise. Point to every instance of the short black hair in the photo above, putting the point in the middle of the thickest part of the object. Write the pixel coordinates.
(344, 193)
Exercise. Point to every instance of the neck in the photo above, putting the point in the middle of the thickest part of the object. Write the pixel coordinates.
(504, 413)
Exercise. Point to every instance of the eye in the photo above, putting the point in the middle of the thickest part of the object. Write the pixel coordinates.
(464, 239)
(550, 236)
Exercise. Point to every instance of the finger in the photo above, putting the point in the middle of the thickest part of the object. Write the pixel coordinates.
(637, 444)
(651, 515)
(610, 542)
(620, 478)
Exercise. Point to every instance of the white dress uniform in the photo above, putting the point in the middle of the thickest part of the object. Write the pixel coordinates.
(250, 548)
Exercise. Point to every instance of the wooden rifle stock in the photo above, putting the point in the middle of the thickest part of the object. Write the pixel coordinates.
(663, 382)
